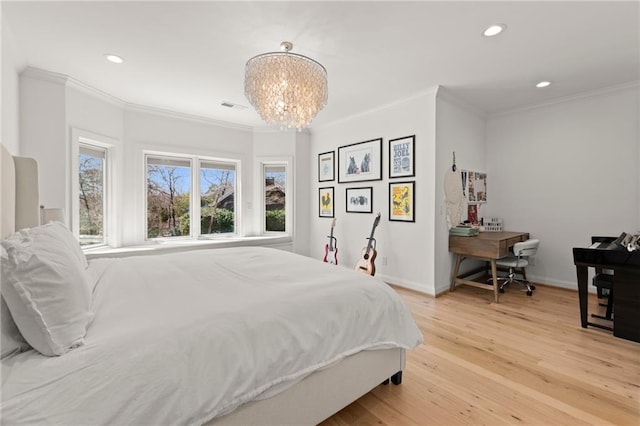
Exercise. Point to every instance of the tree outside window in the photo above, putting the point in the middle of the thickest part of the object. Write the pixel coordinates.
(217, 197)
(168, 197)
(91, 194)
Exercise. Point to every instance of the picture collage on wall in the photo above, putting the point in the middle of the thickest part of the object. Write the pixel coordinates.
(363, 162)
(474, 188)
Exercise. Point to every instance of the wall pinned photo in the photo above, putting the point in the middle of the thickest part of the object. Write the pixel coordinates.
(326, 202)
(402, 201)
(326, 169)
(475, 186)
(359, 200)
(402, 158)
(360, 161)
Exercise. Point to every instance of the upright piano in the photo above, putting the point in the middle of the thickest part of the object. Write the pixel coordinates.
(606, 253)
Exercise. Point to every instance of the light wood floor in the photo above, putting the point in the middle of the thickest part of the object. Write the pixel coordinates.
(525, 360)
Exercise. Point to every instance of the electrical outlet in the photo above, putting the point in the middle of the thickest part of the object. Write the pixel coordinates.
(384, 260)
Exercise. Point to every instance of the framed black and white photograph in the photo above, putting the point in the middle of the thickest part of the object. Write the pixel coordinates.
(360, 161)
(359, 200)
(402, 201)
(326, 166)
(326, 202)
(402, 159)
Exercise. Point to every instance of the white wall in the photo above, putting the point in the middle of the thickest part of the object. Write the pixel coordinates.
(9, 105)
(43, 132)
(565, 172)
(460, 130)
(408, 247)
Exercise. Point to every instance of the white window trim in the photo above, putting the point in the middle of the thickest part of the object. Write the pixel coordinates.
(194, 224)
(287, 162)
(78, 137)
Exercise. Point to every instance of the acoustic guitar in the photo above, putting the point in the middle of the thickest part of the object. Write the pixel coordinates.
(331, 249)
(366, 263)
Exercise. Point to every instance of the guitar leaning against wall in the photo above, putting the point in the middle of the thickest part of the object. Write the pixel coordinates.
(366, 264)
(331, 249)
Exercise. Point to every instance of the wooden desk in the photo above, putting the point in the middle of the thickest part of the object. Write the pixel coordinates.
(487, 246)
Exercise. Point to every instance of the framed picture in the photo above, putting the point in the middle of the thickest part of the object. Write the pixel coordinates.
(402, 159)
(326, 202)
(326, 166)
(360, 200)
(474, 186)
(360, 161)
(402, 201)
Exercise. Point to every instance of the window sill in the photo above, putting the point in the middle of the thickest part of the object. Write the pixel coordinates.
(161, 247)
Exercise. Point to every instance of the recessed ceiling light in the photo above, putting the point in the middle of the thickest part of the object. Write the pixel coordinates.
(494, 30)
(543, 84)
(114, 58)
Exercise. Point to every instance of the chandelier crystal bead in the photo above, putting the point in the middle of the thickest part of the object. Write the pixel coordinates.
(288, 90)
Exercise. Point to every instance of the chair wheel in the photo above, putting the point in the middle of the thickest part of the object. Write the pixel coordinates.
(533, 287)
(529, 293)
(501, 290)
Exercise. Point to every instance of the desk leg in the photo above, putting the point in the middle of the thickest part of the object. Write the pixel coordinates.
(456, 269)
(583, 277)
(494, 274)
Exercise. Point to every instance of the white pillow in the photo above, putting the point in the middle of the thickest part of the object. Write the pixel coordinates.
(12, 341)
(60, 231)
(47, 288)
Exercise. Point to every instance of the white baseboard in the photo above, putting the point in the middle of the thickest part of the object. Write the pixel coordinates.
(411, 285)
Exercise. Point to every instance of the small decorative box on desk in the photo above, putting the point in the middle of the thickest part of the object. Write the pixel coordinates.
(493, 224)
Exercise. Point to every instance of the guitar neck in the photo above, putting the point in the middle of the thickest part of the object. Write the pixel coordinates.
(331, 248)
(373, 231)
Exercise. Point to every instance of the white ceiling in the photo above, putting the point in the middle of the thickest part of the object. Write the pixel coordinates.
(189, 57)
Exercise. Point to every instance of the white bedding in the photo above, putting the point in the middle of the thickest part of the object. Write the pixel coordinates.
(182, 338)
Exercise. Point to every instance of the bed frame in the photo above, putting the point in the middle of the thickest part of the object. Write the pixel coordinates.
(308, 402)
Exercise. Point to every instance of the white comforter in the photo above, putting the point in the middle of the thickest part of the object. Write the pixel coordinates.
(182, 338)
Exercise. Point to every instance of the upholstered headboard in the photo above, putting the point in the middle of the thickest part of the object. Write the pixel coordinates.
(20, 198)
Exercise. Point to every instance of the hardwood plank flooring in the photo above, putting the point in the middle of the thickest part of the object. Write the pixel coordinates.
(525, 360)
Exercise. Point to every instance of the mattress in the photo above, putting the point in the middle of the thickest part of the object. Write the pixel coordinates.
(182, 338)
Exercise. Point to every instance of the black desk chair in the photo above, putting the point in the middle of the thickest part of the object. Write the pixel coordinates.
(604, 282)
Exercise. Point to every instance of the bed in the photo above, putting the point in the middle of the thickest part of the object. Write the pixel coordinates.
(240, 336)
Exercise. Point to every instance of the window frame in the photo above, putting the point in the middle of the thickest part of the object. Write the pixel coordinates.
(287, 163)
(195, 232)
(97, 142)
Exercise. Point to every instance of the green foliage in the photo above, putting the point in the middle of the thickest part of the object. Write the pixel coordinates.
(183, 224)
(275, 220)
(223, 220)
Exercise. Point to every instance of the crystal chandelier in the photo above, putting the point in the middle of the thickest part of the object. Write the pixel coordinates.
(288, 90)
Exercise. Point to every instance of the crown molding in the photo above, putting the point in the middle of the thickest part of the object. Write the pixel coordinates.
(65, 80)
(44, 75)
(185, 116)
(563, 99)
(447, 94)
(431, 91)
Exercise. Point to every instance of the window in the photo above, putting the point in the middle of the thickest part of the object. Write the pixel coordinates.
(91, 194)
(275, 198)
(217, 197)
(175, 208)
(168, 196)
